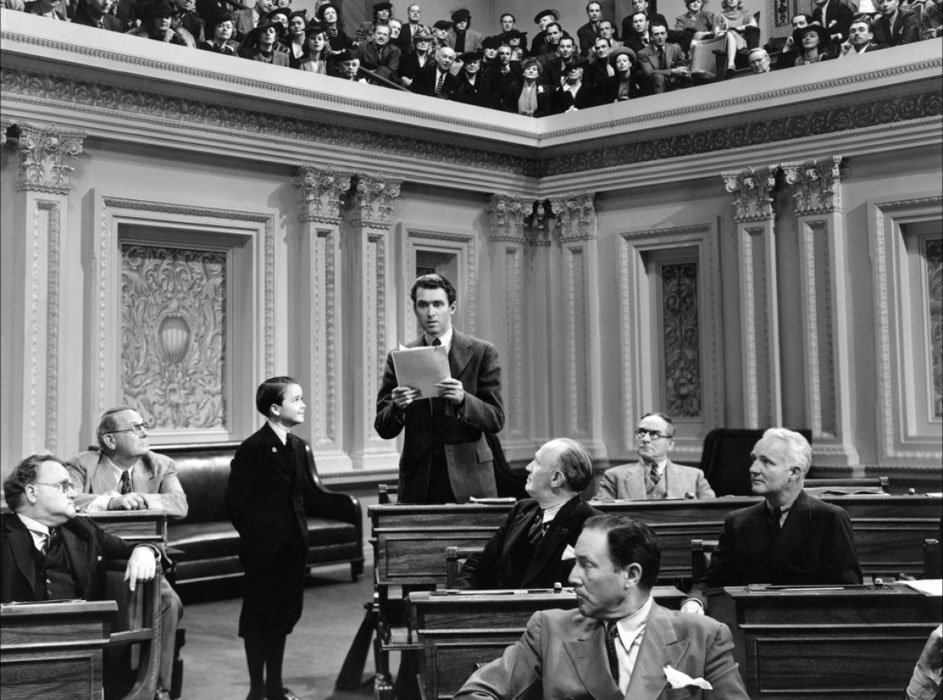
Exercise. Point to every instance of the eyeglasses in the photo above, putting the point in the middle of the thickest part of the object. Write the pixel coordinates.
(63, 486)
(138, 429)
(653, 434)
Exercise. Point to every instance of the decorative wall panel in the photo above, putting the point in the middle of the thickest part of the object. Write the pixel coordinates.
(682, 356)
(933, 254)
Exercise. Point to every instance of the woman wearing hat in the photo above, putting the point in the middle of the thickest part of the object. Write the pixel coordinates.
(220, 30)
(812, 43)
(464, 39)
(529, 96)
(622, 85)
(473, 88)
(297, 37)
(157, 24)
(382, 12)
(262, 44)
(542, 19)
(517, 40)
(318, 50)
(329, 15)
(736, 23)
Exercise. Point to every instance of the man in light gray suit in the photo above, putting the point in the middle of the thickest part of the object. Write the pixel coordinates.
(654, 477)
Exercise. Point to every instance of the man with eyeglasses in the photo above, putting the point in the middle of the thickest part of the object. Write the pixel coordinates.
(789, 538)
(123, 474)
(654, 476)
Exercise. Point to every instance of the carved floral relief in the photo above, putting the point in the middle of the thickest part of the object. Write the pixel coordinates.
(682, 347)
(934, 258)
(173, 330)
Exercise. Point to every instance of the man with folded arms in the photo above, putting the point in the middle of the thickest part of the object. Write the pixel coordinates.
(534, 546)
(788, 538)
(654, 476)
(619, 643)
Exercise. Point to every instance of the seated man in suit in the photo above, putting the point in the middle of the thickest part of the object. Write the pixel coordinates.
(654, 476)
(534, 546)
(125, 475)
(619, 643)
(896, 25)
(47, 553)
(663, 63)
(378, 55)
(788, 538)
(860, 39)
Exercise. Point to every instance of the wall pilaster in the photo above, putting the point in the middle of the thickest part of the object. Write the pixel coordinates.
(579, 332)
(369, 262)
(41, 222)
(826, 336)
(755, 216)
(318, 317)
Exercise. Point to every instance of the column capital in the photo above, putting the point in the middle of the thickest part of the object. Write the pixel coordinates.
(753, 193)
(43, 155)
(321, 191)
(817, 185)
(576, 216)
(506, 221)
(372, 198)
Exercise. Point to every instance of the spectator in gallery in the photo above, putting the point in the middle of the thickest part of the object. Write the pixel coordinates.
(501, 75)
(517, 40)
(813, 43)
(296, 39)
(329, 17)
(246, 19)
(442, 34)
(533, 548)
(588, 32)
(378, 55)
(348, 67)
(622, 85)
(895, 25)
(639, 34)
(95, 13)
(557, 68)
(280, 16)
(607, 30)
(412, 28)
(695, 24)
(835, 16)
(220, 30)
(187, 19)
(507, 22)
(860, 38)
(157, 23)
(416, 60)
(736, 23)
(463, 37)
(599, 71)
(262, 45)
(471, 86)
(663, 63)
(382, 12)
(318, 50)
(759, 61)
(931, 22)
(574, 94)
(640, 6)
(551, 45)
(436, 79)
(46, 8)
(789, 538)
(542, 19)
(529, 96)
(789, 53)
(654, 476)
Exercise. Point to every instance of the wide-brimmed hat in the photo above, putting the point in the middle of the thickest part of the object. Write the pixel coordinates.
(620, 50)
(161, 8)
(442, 24)
(422, 35)
(469, 56)
(514, 34)
(218, 18)
(286, 12)
(824, 36)
(325, 7)
(544, 13)
(378, 7)
(461, 15)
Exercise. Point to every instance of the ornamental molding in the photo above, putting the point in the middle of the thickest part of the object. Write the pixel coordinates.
(506, 218)
(576, 216)
(321, 191)
(44, 153)
(752, 193)
(817, 185)
(371, 200)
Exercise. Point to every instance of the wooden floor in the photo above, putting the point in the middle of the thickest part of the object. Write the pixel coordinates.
(214, 662)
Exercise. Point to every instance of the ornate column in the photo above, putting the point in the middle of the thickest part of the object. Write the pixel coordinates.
(755, 216)
(576, 324)
(369, 312)
(826, 337)
(318, 315)
(509, 282)
(40, 216)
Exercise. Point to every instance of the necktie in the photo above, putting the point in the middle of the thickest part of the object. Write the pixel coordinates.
(45, 545)
(661, 59)
(774, 526)
(612, 634)
(655, 476)
(438, 91)
(536, 531)
(124, 486)
(436, 342)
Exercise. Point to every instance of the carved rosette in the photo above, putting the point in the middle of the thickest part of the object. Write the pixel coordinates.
(753, 193)
(818, 185)
(372, 200)
(507, 214)
(321, 191)
(576, 216)
(43, 159)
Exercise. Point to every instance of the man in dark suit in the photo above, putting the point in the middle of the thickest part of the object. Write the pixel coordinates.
(534, 546)
(93, 13)
(619, 643)
(435, 79)
(588, 33)
(835, 16)
(270, 480)
(788, 538)
(662, 62)
(446, 457)
(895, 25)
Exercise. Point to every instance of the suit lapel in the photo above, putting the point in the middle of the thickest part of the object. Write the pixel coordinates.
(678, 483)
(587, 653)
(77, 550)
(660, 647)
(276, 450)
(636, 479)
(557, 535)
(460, 354)
(21, 542)
(102, 480)
(792, 534)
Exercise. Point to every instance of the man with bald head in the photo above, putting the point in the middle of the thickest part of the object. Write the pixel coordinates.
(534, 546)
(789, 538)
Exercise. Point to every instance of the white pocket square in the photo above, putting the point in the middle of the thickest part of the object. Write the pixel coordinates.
(568, 553)
(679, 679)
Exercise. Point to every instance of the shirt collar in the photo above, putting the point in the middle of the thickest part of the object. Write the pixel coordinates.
(279, 431)
(114, 469)
(629, 626)
(446, 339)
(34, 525)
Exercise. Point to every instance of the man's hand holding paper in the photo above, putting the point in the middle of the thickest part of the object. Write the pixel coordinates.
(423, 373)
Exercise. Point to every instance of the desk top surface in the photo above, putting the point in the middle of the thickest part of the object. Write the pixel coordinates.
(57, 607)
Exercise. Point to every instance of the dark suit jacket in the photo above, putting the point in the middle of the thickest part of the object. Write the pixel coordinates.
(562, 99)
(495, 566)
(382, 60)
(437, 424)
(265, 497)
(839, 13)
(424, 82)
(480, 94)
(648, 59)
(587, 36)
(562, 655)
(88, 546)
(627, 30)
(109, 22)
(815, 545)
(906, 29)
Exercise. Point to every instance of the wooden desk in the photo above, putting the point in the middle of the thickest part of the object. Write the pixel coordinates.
(857, 643)
(133, 525)
(458, 630)
(54, 650)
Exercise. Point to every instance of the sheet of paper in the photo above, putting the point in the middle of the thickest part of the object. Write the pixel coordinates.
(928, 586)
(421, 368)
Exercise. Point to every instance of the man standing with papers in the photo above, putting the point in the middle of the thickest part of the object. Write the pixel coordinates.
(446, 457)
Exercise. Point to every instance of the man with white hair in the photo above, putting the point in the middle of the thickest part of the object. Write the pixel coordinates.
(788, 538)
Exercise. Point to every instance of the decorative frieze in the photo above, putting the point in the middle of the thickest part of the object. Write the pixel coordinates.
(44, 155)
(321, 191)
(576, 216)
(507, 213)
(372, 199)
(817, 185)
(753, 193)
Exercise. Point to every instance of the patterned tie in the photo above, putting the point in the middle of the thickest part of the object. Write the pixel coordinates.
(612, 633)
(436, 342)
(654, 475)
(124, 487)
(438, 90)
(535, 532)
